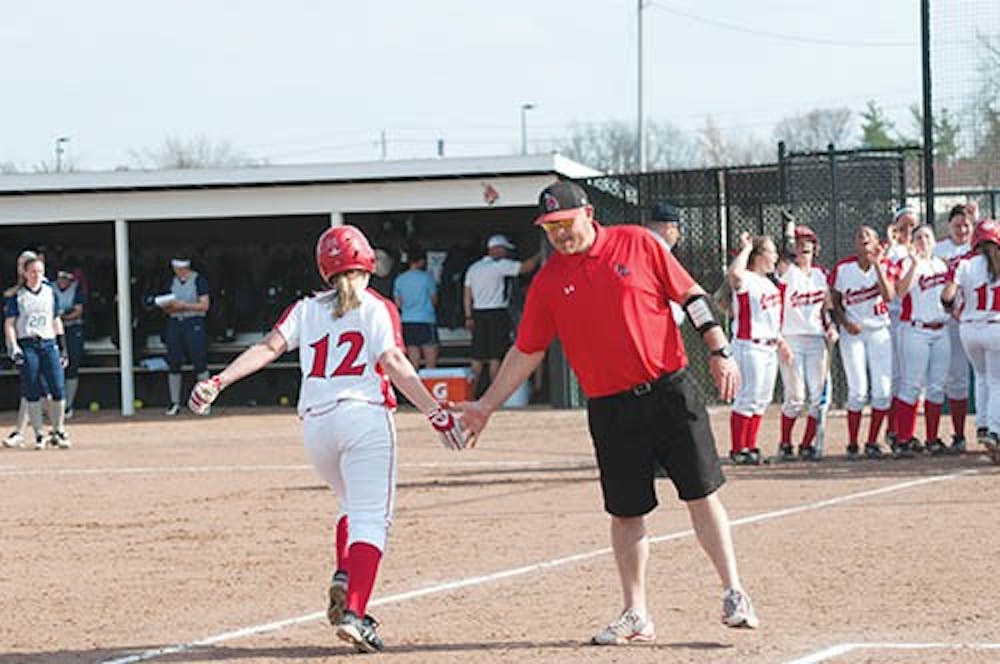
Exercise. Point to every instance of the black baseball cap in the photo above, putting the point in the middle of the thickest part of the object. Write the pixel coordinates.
(560, 200)
(666, 212)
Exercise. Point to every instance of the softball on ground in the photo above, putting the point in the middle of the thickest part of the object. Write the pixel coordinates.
(94, 406)
(138, 404)
(283, 400)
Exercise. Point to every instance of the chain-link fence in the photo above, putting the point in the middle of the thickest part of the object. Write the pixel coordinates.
(834, 192)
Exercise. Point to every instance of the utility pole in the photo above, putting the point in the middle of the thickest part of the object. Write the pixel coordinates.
(525, 107)
(382, 143)
(641, 118)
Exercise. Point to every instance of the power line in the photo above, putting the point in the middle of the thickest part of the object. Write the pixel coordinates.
(778, 35)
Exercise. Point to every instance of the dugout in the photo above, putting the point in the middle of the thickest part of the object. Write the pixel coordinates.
(252, 231)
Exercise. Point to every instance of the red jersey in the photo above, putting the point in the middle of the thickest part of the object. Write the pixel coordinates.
(610, 309)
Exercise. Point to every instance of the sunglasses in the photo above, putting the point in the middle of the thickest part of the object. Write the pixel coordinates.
(558, 224)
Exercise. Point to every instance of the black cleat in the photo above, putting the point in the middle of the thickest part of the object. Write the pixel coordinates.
(786, 452)
(936, 447)
(853, 453)
(903, 450)
(808, 453)
(754, 458)
(957, 445)
(359, 632)
(338, 597)
(874, 451)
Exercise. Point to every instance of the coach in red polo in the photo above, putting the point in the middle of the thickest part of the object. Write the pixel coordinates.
(605, 294)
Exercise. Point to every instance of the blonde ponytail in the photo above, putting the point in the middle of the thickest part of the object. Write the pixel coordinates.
(345, 296)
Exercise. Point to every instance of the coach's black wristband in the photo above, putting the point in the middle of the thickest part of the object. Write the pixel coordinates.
(61, 342)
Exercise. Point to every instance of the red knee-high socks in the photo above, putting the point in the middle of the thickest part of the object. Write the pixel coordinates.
(362, 566)
(853, 426)
(739, 430)
(890, 424)
(932, 420)
(754, 430)
(809, 435)
(787, 424)
(341, 550)
(959, 409)
(906, 419)
(876, 424)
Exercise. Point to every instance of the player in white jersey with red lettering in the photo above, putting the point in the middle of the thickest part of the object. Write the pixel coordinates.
(951, 249)
(860, 288)
(977, 278)
(924, 346)
(904, 223)
(808, 329)
(350, 346)
(756, 334)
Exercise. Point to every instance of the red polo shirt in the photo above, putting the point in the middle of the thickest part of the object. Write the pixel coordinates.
(610, 309)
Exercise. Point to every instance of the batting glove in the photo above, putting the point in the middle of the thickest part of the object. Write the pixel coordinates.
(448, 428)
(17, 357)
(204, 393)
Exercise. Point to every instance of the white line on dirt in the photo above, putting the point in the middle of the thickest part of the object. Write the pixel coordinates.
(523, 570)
(11, 471)
(845, 648)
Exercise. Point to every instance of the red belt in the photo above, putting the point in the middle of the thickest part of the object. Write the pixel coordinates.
(926, 326)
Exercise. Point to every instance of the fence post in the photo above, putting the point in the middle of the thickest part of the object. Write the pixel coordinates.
(833, 193)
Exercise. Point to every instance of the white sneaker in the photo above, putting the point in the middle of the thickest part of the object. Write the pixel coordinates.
(737, 610)
(15, 439)
(174, 409)
(630, 627)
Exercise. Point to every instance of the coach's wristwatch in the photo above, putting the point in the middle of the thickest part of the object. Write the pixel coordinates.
(725, 352)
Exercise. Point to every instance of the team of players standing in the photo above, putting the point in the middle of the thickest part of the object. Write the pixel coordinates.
(910, 315)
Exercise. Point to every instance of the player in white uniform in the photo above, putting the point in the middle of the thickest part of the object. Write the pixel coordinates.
(37, 346)
(350, 346)
(904, 223)
(924, 346)
(756, 334)
(951, 249)
(807, 328)
(978, 279)
(860, 287)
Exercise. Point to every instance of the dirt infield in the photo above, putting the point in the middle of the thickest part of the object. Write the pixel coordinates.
(156, 532)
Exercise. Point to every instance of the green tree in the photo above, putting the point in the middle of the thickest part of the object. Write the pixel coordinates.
(945, 131)
(877, 128)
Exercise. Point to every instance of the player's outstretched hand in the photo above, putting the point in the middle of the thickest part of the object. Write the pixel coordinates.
(204, 393)
(448, 428)
(474, 416)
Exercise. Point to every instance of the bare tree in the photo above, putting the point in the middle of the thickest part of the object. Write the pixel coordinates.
(816, 129)
(8, 168)
(612, 146)
(719, 148)
(198, 152)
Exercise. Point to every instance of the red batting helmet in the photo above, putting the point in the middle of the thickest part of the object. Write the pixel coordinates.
(986, 230)
(343, 248)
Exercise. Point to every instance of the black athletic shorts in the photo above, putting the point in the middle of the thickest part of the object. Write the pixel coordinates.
(420, 334)
(491, 333)
(633, 430)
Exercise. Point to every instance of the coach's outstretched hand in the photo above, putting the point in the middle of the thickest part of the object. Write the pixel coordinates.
(204, 393)
(448, 428)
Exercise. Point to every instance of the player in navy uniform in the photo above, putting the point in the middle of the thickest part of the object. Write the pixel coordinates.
(37, 346)
(71, 300)
(185, 334)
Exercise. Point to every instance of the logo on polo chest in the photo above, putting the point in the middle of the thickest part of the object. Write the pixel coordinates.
(622, 269)
(569, 289)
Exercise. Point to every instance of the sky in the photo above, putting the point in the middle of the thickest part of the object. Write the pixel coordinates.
(317, 81)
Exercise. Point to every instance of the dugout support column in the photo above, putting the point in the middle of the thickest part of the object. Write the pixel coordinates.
(124, 276)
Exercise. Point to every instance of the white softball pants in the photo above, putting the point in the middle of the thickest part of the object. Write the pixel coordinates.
(804, 376)
(924, 358)
(957, 386)
(867, 360)
(353, 446)
(758, 365)
(982, 345)
(895, 331)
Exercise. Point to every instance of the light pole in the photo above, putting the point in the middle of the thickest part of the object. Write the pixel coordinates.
(62, 140)
(524, 125)
(641, 120)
